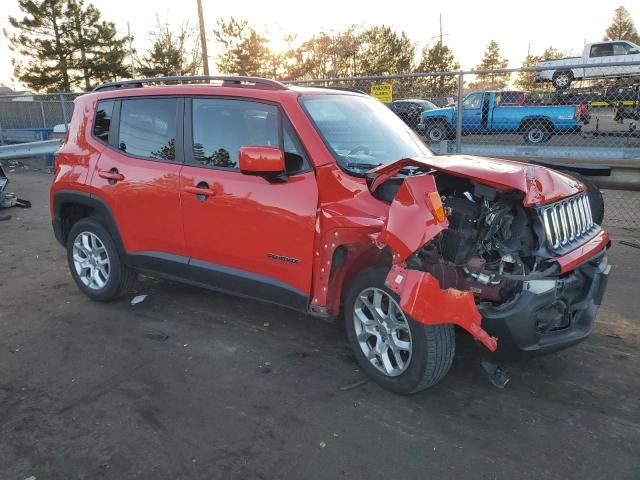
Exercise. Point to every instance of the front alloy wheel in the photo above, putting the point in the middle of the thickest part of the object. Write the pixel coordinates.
(382, 331)
(397, 352)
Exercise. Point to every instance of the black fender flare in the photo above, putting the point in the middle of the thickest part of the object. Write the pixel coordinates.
(96, 204)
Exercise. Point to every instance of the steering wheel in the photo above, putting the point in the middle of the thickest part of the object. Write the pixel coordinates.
(360, 148)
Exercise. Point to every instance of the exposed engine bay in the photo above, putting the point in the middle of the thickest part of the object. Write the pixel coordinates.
(490, 246)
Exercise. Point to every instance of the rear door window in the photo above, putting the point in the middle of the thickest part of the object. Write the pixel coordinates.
(148, 128)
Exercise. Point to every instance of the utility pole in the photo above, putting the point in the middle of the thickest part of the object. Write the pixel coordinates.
(203, 40)
(441, 29)
(133, 67)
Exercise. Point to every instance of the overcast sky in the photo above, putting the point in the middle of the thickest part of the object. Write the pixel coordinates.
(468, 26)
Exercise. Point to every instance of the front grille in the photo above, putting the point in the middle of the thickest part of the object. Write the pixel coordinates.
(567, 222)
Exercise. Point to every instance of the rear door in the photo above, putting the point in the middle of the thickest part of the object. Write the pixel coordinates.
(250, 234)
(138, 174)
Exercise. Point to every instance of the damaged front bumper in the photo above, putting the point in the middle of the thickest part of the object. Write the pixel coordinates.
(545, 318)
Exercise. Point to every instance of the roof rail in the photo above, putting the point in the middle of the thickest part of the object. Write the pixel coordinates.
(235, 81)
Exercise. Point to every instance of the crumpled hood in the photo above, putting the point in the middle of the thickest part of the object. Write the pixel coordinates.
(539, 184)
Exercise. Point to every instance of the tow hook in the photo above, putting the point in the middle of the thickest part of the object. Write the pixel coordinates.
(497, 374)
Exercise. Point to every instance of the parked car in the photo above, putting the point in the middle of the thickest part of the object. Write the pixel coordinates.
(486, 113)
(327, 203)
(410, 110)
(566, 70)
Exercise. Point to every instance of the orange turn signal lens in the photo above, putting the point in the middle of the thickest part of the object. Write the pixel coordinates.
(436, 206)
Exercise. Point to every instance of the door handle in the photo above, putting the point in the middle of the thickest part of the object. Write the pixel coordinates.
(113, 176)
(202, 191)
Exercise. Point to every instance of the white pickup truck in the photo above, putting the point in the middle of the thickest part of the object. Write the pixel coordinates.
(562, 72)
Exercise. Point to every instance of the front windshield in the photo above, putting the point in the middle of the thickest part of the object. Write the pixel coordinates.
(361, 132)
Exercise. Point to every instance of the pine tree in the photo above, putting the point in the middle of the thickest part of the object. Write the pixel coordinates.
(439, 58)
(525, 80)
(42, 38)
(382, 52)
(172, 53)
(246, 52)
(492, 61)
(622, 27)
(100, 53)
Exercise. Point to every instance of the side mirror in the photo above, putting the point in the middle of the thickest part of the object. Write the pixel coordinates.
(261, 160)
(634, 51)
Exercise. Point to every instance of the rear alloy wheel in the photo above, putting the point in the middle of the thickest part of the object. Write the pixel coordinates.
(397, 352)
(95, 262)
(536, 134)
(436, 132)
(91, 260)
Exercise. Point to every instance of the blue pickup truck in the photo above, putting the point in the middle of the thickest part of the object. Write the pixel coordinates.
(490, 113)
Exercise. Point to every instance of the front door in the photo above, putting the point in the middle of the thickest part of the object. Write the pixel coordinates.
(247, 234)
(472, 112)
(138, 173)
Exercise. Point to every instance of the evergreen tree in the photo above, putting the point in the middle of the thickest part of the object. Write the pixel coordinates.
(172, 53)
(100, 53)
(525, 80)
(622, 27)
(42, 38)
(492, 60)
(382, 52)
(246, 52)
(438, 58)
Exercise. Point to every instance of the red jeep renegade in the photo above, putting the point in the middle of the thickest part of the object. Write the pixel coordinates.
(325, 202)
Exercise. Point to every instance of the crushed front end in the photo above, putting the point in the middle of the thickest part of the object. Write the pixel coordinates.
(521, 270)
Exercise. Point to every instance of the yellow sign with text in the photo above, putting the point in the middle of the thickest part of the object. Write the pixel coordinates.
(384, 93)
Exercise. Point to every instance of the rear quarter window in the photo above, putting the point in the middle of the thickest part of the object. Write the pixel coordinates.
(102, 120)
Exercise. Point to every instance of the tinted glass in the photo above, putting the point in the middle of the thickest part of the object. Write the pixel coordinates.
(294, 156)
(102, 122)
(148, 128)
(509, 98)
(361, 132)
(221, 127)
(602, 50)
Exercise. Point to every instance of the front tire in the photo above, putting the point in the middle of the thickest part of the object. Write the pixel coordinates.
(436, 132)
(397, 352)
(95, 263)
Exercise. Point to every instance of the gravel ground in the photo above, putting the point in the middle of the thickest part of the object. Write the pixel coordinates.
(242, 390)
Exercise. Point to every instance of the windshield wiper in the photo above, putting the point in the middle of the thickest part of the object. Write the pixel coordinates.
(361, 165)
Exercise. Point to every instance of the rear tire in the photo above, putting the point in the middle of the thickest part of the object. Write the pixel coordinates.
(431, 348)
(536, 133)
(95, 263)
(595, 197)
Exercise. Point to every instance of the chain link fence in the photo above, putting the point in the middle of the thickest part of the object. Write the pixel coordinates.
(27, 117)
(563, 110)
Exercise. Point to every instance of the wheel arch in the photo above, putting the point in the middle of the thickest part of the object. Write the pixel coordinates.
(70, 206)
(528, 121)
